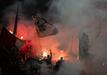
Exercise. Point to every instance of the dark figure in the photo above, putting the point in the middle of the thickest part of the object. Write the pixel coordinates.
(49, 58)
(58, 64)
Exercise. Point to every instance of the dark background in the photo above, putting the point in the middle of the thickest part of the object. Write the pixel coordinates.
(41, 6)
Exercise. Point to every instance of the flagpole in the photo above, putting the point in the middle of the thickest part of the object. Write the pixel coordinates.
(16, 21)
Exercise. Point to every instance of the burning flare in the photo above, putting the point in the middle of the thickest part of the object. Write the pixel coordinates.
(45, 54)
(10, 31)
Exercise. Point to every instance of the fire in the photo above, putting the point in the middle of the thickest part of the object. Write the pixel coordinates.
(62, 54)
(45, 54)
(56, 54)
(21, 37)
(10, 31)
(26, 31)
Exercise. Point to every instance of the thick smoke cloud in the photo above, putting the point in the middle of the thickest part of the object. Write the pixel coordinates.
(88, 16)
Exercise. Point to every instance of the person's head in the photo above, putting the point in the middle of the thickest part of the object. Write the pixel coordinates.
(61, 58)
(48, 56)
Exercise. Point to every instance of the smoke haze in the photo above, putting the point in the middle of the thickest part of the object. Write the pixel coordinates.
(88, 16)
(71, 17)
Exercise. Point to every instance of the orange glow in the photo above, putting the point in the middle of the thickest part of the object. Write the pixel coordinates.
(45, 54)
(26, 31)
(53, 44)
(56, 54)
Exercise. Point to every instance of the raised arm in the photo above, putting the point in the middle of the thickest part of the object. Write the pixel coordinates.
(50, 54)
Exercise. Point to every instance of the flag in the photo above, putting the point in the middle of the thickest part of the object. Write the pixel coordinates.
(44, 28)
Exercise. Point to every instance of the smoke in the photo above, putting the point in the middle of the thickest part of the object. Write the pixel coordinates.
(71, 17)
(26, 27)
(87, 16)
(66, 40)
(69, 69)
(25, 23)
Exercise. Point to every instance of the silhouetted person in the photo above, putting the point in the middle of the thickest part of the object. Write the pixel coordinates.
(58, 64)
(49, 59)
